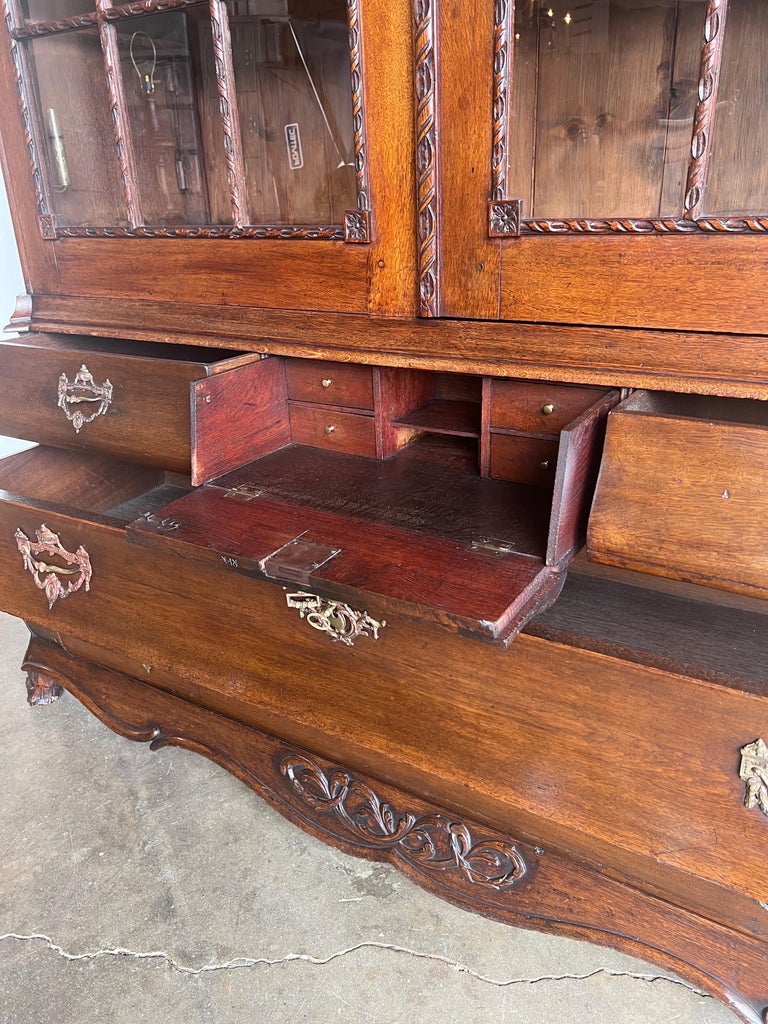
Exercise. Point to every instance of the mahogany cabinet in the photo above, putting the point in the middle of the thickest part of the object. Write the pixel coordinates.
(398, 372)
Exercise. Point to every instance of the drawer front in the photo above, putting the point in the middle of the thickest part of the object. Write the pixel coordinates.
(523, 460)
(312, 380)
(95, 396)
(684, 498)
(337, 431)
(539, 408)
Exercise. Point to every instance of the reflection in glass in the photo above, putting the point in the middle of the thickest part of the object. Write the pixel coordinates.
(295, 104)
(738, 171)
(604, 97)
(53, 10)
(159, 55)
(83, 172)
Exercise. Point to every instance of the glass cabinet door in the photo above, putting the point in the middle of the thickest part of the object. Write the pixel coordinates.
(633, 110)
(195, 120)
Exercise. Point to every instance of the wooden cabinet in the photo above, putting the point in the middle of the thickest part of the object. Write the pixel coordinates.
(346, 325)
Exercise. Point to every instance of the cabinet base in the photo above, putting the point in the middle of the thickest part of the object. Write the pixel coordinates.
(471, 864)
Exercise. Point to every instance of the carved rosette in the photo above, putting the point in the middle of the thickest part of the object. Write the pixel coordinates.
(426, 154)
(48, 578)
(357, 226)
(709, 78)
(504, 218)
(754, 773)
(433, 843)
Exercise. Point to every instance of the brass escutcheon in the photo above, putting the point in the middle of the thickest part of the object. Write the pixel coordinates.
(83, 389)
(47, 576)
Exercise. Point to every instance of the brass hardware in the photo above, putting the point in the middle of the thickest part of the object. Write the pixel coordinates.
(245, 492)
(326, 382)
(330, 429)
(83, 389)
(338, 621)
(544, 464)
(754, 772)
(493, 547)
(548, 409)
(46, 576)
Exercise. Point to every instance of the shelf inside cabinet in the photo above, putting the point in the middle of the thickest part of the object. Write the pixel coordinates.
(444, 416)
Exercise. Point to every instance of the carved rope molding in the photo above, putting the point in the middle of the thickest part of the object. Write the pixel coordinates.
(118, 110)
(225, 83)
(32, 142)
(357, 223)
(432, 843)
(503, 30)
(425, 31)
(322, 232)
(709, 79)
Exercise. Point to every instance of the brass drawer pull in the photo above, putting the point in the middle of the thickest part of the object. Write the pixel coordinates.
(326, 382)
(47, 576)
(754, 772)
(83, 389)
(548, 409)
(340, 622)
(330, 429)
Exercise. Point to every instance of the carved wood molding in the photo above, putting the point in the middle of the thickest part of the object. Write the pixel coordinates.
(230, 121)
(357, 223)
(473, 865)
(306, 232)
(645, 226)
(703, 121)
(33, 30)
(425, 40)
(503, 49)
(118, 109)
(29, 119)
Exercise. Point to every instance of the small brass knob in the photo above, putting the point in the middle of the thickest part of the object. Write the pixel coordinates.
(326, 382)
(330, 429)
(548, 409)
(544, 464)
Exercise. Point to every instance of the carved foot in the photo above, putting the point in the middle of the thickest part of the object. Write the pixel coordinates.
(42, 689)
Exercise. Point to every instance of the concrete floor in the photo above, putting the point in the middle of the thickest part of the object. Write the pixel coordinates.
(139, 886)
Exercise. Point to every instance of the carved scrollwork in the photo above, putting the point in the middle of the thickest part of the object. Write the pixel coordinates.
(754, 772)
(48, 577)
(338, 621)
(433, 843)
(503, 16)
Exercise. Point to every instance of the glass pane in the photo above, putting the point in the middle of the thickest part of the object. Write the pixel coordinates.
(738, 169)
(53, 10)
(295, 104)
(83, 171)
(604, 98)
(179, 182)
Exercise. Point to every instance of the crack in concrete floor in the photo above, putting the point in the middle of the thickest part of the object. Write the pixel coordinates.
(240, 962)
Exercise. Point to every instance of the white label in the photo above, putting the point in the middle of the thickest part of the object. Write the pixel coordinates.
(293, 142)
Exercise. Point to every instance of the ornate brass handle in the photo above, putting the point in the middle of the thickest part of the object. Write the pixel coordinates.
(45, 575)
(754, 772)
(83, 389)
(338, 621)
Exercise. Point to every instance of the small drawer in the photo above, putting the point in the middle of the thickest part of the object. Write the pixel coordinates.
(538, 407)
(683, 492)
(129, 400)
(338, 431)
(523, 460)
(322, 383)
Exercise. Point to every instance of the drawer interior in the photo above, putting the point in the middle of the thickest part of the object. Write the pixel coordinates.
(91, 486)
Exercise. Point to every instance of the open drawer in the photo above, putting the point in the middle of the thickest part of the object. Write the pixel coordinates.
(683, 491)
(423, 531)
(162, 405)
